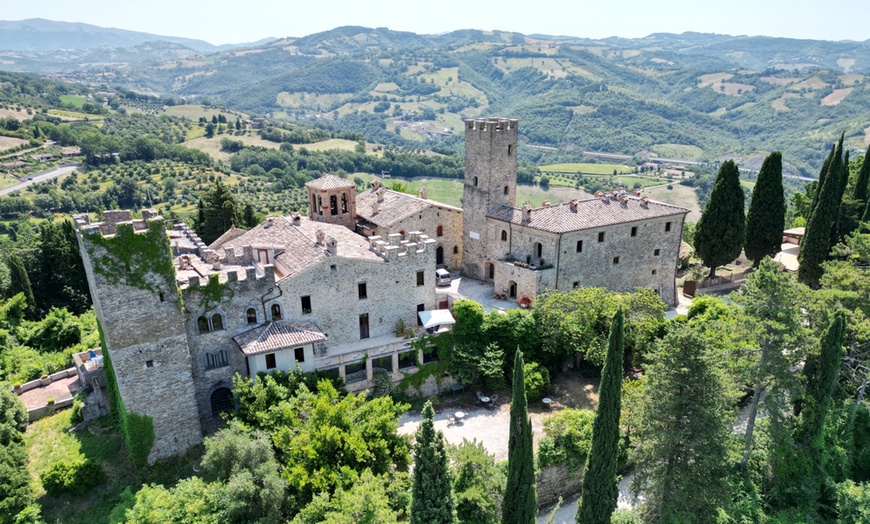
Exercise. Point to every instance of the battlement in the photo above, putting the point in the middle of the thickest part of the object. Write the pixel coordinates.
(396, 249)
(252, 274)
(492, 124)
(112, 220)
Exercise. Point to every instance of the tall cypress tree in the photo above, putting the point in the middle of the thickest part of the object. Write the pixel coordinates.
(20, 283)
(817, 240)
(520, 497)
(821, 373)
(600, 489)
(722, 228)
(432, 499)
(843, 178)
(823, 173)
(862, 183)
(766, 218)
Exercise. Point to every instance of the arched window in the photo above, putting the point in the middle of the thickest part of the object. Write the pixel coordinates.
(439, 231)
(276, 312)
(402, 234)
(539, 248)
(202, 323)
(490, 270)
(217, 322)
(252, 315)
(510, 149)
(313, 204)
(475, 181)
(455, 250)
(503, 235)
(221, 358)
(506, 190)
(333, 205)
(319, 205)
(221, 400)
(344, 202)
(210, 362)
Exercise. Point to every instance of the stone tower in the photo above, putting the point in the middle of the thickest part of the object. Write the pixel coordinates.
(131, 276)
(332, 199)
(490, 181)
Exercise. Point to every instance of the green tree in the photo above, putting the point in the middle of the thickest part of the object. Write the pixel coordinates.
(209, 130)
(862, 183)
(683, 440)
(520, 498)
(478, 483)
(722, 227)
(19, 282)
(217, 212)
(821, 373)
(765, 221)
(600, 484)
(817, 240)
(15, 492)
(432, 492)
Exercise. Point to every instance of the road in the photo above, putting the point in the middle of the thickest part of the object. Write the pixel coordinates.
(42, 176)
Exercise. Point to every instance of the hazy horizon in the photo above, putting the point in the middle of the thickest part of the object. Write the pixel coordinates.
(224, 22)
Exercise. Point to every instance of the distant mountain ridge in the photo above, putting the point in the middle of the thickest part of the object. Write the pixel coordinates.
(39, 34)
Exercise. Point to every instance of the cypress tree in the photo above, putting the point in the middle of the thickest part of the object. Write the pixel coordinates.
(766, 218)
(821, 373)
(20, 283)
(816, 243)
(862, 183)
(722, 228)
(843, 178)
(823, 173)
(520, 497)
(432, 499)
(600, 485)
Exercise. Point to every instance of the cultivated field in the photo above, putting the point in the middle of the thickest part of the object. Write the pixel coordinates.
(837, 96)
(7, 142)
(212, 146)
(683, 196)
(195, 112)
(681, 151)
(591, 169)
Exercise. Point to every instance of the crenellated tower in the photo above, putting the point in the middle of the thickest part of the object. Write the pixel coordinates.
(131, 276)
(490, 181)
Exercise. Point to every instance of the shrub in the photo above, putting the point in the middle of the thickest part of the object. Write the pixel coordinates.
(74, 478)
(537, 381)
(625, 516)
(568, 438)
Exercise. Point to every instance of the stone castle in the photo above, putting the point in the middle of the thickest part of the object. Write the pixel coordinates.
(327, 291)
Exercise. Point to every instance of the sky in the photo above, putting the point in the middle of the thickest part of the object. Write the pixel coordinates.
(226, 21)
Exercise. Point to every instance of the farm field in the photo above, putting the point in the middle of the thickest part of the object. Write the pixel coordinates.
(8, 142)
(212, 146)
(195, 112)
(683, 196)
(592, 169)
(75, 101)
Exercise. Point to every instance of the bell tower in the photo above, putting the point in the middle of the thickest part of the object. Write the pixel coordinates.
(332, 199)
(490, 181)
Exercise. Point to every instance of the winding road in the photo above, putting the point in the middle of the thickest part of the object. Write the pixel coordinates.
(42, 176)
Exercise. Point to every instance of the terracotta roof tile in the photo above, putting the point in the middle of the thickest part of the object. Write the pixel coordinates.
(590, 213)
(395, 207)
(329, 182)
(278, 335)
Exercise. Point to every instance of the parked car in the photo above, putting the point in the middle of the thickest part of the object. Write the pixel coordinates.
(442, 277)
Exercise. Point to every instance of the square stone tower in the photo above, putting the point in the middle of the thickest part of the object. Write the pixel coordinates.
(490, 181)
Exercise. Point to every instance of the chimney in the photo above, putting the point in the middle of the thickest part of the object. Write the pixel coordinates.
(424, 193)
(375, 208)
(331, 245)
(545, 203)
(376, 184)
(319, 235)
(380, 193)
(572, 205)
(527, 213)
(297, 220)
(644, 202)
(637, 192)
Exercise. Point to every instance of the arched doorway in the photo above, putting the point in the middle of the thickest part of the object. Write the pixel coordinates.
(512, 289)
(439, 256)
(221, 400)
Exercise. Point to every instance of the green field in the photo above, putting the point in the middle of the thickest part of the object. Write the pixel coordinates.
(75, 101)
(195, 112)
(591, 169)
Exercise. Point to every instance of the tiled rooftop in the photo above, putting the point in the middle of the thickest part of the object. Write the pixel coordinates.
(394, 207)
(278, 335)
(588, 214)
(330, 182)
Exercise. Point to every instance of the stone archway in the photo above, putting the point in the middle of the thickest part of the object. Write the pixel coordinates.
(221, 400)
(512, 289)
(439, 256)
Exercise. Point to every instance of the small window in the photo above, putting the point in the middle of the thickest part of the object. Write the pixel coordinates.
(475, 181)
(402, 235)
(202, 323)
(653, 271)
(616, 260)
(210, 362)
(306, 304)
(271, 363)
(162, 296)
(362, 291)
(506, 190)
(439, 231)
(149, 363)
(601, 236)
(576, 285)
(299, 354)
(276, 312)
(333, 268)
(222, 358)
(510, 149)
(455, 250)
(634, 231)
(217, 322)
(333, 205)
(344, 202)
(364, 326)
(490, 270)
(251, 315)
(503, 235)
(407, 359)
(667, 226)
(539, 249)
(579, 246)
(656, 253)
(421, 278)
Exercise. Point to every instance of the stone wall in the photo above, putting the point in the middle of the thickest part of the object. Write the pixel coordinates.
(556, 481)
(427, 222)
(490, 180)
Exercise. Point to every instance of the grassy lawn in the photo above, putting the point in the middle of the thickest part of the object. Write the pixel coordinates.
(591, 169)
(681, 151)
(48, 442)
(683, 196)
(212, 146)
(73, 100)
(73, 115)
(195, 112)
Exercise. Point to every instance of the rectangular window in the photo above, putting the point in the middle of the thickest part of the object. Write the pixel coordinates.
(653, 271)
(601, 236)
(270, 361)
(667, 226)
(579, 246)
(383, 363)
(362, 291)
(149, 363)
(421, 279)
(299, 354)
(407, 360)
(306, 304)
(364, 326)
(616, 260)
(634, 231)
(656, 253)
(420, 308)
(576, 285)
